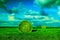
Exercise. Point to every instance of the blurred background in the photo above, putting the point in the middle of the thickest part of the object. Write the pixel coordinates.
(12, 12)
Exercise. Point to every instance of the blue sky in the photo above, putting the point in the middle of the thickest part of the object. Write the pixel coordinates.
(33, 11)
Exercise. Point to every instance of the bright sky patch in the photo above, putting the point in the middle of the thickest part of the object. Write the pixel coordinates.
(11, 18)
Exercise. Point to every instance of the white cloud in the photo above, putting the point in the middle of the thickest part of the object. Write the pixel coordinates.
(46, 18)
(36, 17)
(28, 16)
(30, 10)
(52, 18)
(55, 21)
(48, 22)
(13, 14)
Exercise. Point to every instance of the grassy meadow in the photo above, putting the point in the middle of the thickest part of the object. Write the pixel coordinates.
(13, 33)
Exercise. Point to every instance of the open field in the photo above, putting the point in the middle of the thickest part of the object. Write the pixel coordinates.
(40, 34)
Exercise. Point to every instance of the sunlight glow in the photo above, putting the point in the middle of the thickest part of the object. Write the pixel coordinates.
(11, 18)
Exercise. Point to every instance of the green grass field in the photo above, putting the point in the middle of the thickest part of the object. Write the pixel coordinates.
(40, 34)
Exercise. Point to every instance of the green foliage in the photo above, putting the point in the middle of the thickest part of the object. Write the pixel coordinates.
(3, 5)
(57, 2)
(47, 3)
(25, 26)
(3, 1)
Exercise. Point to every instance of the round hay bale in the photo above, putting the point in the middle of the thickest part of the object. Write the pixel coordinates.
(25, 26)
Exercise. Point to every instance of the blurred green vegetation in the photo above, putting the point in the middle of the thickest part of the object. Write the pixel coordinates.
(3, 4)
(14, 34)
(47, 3)
(4, 7)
